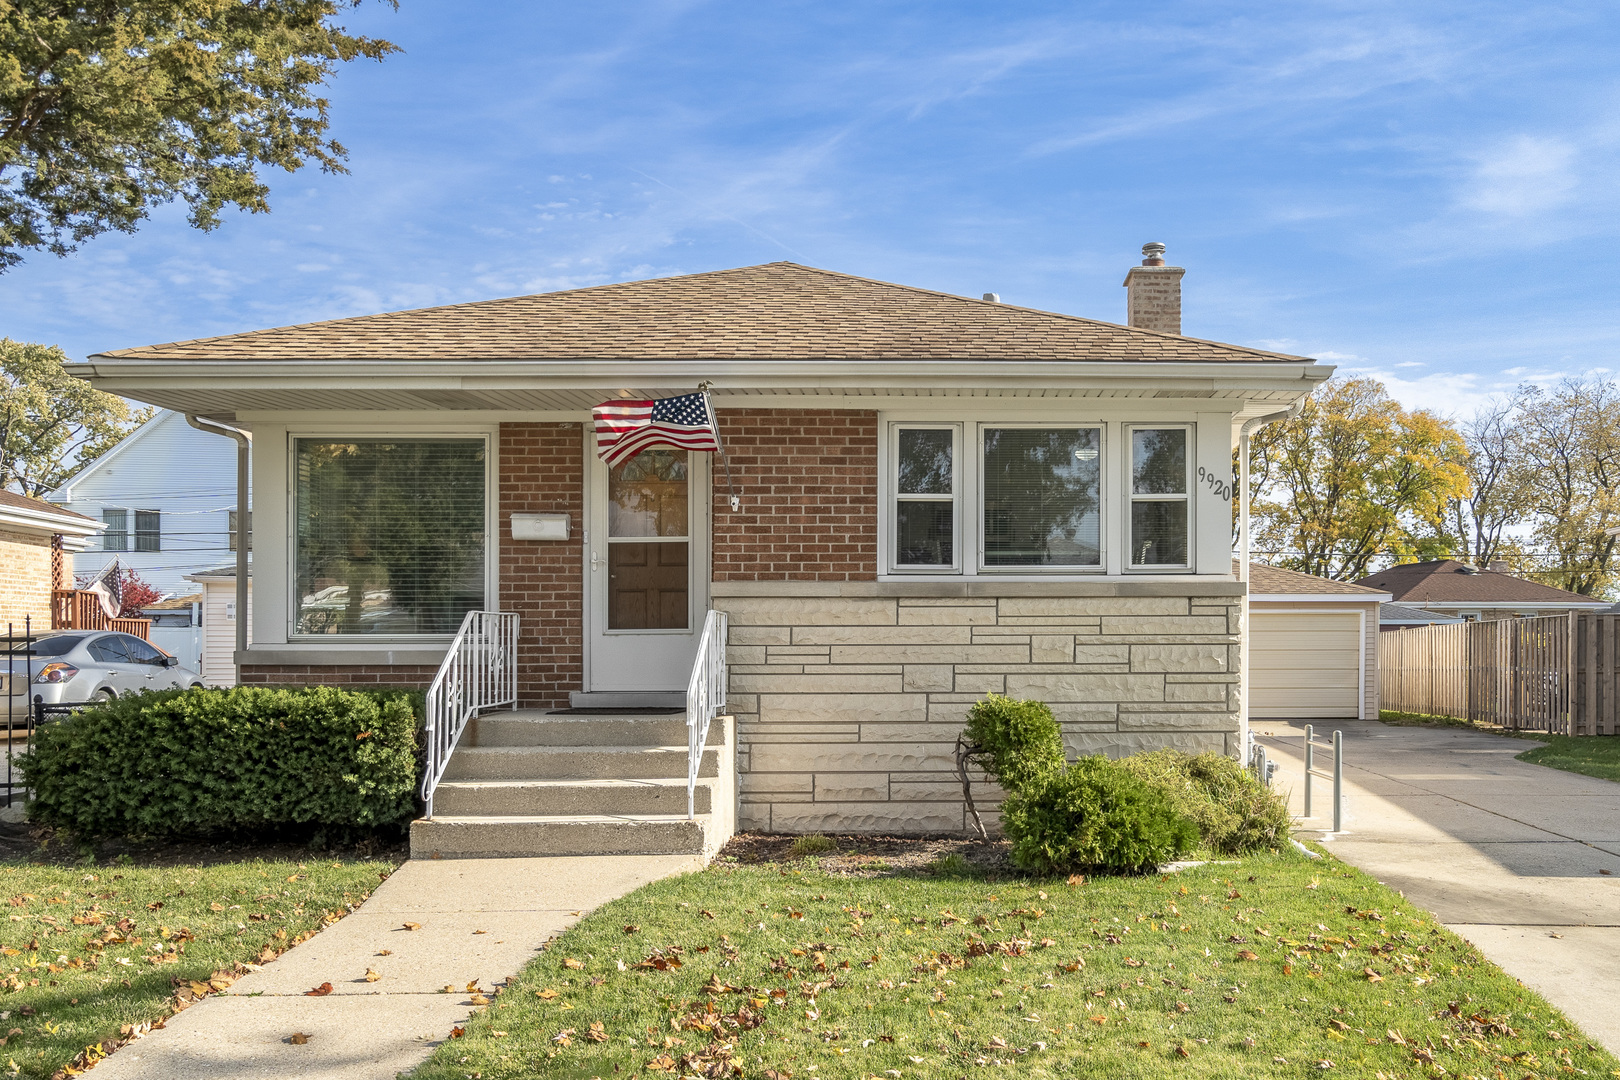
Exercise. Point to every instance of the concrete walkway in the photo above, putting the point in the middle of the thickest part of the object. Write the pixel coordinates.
(1522, 860)
(481, 920)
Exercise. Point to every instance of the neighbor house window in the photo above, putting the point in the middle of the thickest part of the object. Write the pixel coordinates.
(390, 535)
(116, 535)
(1160, 510)
(148, 530)
(925, 497)
(1040, 491)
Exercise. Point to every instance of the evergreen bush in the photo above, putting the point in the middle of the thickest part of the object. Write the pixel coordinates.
(1095, 816)
(1235, 813)
(1018, 741)
(247, 759)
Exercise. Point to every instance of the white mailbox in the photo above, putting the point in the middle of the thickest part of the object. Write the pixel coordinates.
(540, 526)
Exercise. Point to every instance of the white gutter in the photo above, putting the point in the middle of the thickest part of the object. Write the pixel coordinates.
(64, 524)
(244, 529)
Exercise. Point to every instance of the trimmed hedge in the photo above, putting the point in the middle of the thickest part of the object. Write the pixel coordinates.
(1235, 813)
(247, 759)
(1094, 815)
(1018, 741)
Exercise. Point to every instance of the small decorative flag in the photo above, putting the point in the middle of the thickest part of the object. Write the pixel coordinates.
(626, 428)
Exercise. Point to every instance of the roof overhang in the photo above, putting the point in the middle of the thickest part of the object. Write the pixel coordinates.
(76, 530)
(223, 389)
(1318, 598)
(1502, 605)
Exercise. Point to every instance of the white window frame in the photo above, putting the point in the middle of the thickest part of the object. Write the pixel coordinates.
(362, 434)
(1131, 498)
(892, 497)
(127, 532)
(1101, 565)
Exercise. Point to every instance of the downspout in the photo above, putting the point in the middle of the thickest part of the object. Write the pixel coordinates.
(244, 454)
(1249, 428)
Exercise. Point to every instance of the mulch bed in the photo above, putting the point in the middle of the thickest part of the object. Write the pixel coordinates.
(870, 856)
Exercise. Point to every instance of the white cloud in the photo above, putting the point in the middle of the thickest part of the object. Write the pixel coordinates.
(1525, 175)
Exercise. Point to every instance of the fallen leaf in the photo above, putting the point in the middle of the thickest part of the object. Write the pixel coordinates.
(320, 991)
(411, 926)
(577, 965)
(216, 906)
(479, 999)
(1245, 954)
(472, 987)
(385, 952)
(1372, 976)
(457, 1032)
(1182, 1052)
(298, 1038)
(631, 928)
(371, 975)
(545, 995)
(597, 1033)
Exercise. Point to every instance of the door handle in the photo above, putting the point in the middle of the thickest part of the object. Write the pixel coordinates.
(596, 561)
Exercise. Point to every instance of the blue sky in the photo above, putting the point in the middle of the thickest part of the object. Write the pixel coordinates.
(1424, 191)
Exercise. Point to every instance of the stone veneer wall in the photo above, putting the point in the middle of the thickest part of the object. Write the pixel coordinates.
(849, 697)
(25, 579)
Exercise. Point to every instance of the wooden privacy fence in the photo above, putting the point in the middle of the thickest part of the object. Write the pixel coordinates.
(1554, 673)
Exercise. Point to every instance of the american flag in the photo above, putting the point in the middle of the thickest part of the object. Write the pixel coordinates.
(626, 428)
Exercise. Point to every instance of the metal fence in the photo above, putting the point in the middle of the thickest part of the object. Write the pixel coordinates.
(1556, 673)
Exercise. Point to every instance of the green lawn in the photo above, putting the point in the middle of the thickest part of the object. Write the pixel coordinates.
(87, 952)
(1593, 755)
(1273, 966)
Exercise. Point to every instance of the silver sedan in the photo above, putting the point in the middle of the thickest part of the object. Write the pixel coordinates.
(69, 667)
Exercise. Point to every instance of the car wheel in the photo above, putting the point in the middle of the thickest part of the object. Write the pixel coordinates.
(106, 695)
(196, 686)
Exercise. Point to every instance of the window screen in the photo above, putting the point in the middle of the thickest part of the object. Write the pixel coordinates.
(390, 535)
(116, 535)
(925, 497)
(1041, 489)
(1159, 510)
(148, 530)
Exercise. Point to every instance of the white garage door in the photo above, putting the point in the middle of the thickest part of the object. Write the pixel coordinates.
(1305, 666)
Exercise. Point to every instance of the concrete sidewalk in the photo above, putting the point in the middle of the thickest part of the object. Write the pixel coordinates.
(481, 920)
(1522, 860)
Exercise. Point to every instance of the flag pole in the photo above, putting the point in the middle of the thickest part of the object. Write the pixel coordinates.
(725, 461)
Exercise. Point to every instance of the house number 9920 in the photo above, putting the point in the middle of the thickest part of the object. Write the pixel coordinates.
(1213, 481)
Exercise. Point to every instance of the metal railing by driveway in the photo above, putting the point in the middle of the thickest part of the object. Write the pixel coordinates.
(479, 672)
(705, 697)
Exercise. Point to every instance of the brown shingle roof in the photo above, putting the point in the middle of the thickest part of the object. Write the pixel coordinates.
(1275, 580)
(23, 502)
(1448, 581)
(779, 311)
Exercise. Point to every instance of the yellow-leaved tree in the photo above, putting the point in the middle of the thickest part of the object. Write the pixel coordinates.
(1354, 480)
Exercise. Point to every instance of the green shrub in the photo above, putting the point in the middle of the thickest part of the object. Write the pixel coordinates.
(200, 762)
(1019, 741)
(813, 844)
(1235, 813)
(1093, 815)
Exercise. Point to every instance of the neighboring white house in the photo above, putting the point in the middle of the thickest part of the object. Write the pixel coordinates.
(218, 666)
(167, 495)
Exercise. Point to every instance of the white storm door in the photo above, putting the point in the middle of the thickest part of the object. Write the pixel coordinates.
(647, 570)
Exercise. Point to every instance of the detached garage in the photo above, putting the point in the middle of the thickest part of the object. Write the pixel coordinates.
(1313, 647)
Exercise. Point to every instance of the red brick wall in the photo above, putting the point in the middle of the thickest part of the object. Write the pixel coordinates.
(808, 482)
(415, 675)
(542, 470)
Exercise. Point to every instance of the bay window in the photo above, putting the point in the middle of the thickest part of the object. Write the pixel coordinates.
(389, 535)
(1038, 498)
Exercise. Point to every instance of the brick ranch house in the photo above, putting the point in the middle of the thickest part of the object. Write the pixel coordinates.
(37, 544)
(938, 498)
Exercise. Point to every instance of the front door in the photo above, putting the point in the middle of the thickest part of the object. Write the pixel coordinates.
(648, 570)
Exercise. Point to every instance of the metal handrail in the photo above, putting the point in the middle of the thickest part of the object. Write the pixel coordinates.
(705, 697)
(479, 672)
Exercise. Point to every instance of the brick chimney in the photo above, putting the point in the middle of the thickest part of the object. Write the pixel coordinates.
(1153, 292)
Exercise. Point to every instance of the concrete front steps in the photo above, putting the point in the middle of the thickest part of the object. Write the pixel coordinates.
(528, 782)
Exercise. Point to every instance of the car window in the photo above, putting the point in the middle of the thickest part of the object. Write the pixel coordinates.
(109, 650)
(141, 652)
(50, 646)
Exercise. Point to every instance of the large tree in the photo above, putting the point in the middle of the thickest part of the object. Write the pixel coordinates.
(1353, 480)
(1568, 443)
(109, 107)
(1499, 485)
(50, 422)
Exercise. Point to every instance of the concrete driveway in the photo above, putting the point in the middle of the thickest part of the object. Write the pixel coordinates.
(1522, 860)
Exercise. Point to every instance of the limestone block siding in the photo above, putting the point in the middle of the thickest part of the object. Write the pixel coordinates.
(849, 697)
(25, 579)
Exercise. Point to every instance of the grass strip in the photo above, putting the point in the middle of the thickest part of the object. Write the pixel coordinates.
(1274, 965)
(1590, 755)
(92, 955)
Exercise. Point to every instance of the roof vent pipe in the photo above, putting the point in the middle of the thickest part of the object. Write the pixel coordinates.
(244, 523)
(994, 298)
